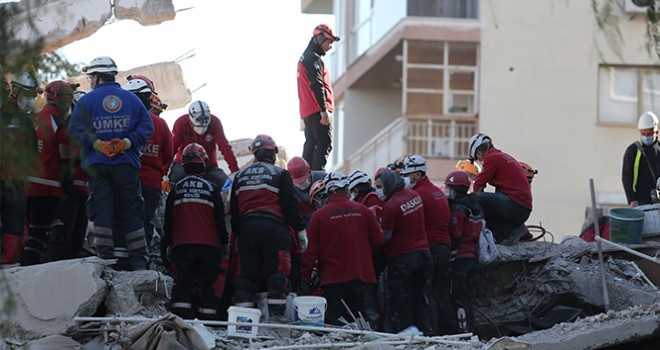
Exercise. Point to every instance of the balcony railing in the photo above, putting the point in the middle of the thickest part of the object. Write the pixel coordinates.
(431, 138)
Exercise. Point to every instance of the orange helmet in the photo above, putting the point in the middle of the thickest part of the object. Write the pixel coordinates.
(468, 167)
(156, 104)
(528, 170)
(317, 191)
(396, 165)
(327, 32)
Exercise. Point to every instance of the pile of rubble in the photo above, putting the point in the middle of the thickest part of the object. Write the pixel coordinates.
(536, 296)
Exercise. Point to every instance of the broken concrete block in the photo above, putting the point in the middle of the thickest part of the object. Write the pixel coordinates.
(145, 12)
(53, 342)
(142, 293)
(46, 297)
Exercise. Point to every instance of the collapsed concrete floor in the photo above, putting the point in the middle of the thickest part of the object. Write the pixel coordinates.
(538, 295)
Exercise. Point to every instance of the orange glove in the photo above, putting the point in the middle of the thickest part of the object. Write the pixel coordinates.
(165, 184)
(120, 145)
(105, 147)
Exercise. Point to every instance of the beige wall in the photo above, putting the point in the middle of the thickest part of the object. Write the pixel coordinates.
(538, 100)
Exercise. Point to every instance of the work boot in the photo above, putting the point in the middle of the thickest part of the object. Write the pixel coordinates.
(515, 235)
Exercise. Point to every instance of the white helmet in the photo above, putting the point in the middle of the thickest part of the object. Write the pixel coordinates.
(199, 113)
(648, 120)
(412, 164)
(358, 177)
(475, 141)
(25, 81)
(102, 65)
(137, 86)
(335, 180)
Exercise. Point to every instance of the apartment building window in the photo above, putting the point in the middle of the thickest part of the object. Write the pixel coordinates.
(625, 92)
(441, 78)
(361, 27)
(443, 8)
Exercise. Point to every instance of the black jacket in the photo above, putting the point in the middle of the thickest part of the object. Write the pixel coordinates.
(646, 176)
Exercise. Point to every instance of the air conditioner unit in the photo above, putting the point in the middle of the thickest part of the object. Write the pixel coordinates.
(635, 6)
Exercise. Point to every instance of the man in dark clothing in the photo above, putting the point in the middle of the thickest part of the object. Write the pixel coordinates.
(316, 98)
(342, 236)
(466, 224)
(408, 257)
(641, 162)
(263, 208)
(436, 223)
(196, 253)
(508, 208)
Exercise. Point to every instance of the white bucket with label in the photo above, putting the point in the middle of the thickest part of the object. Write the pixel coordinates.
(310, 310)
(243, 315)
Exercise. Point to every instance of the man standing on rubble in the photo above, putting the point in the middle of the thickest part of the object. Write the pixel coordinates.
(263, 209)
(641, 162)
(342, 236)
(316, 97)
(111, 124)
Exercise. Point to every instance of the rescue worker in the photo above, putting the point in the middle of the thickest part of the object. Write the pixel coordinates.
(202, 127)
(52, 178)
(156, 155)
(408, 257)
(359, 185)
(317, 195)
(316, 97)
(157, 106)
(67, 240)
(529, 172)
(641, 162)
(196, 253)
(111, 125)
(263, 207)
(507, 209)
(342, 236)
(302, 178)
(18, 152)
(469, 167)
(436, 225)
(467, 221)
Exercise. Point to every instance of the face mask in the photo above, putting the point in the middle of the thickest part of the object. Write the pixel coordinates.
(647, 140)
(200, 130)
(408, 182)
(380, 194)
(449, 193)
(25, 104)
(303, 185)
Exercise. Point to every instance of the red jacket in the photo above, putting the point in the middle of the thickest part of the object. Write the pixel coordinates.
(183, 134)
(504, 173)
(342, 235)
(466, 224)
(403, 214)
(436, 211)
(314, 89)
(157, 154)
(51, 133)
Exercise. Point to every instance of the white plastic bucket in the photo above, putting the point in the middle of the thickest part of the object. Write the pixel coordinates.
(243, 315)
(651, 226)
(310, 310)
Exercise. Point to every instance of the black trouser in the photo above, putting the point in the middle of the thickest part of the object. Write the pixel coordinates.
(441, 310)
(198, 262)
(13, 211)
(409, 281)
(461, 293)
(502, 213)
(360, 297)
(151, 197)
(67, 240)
(42, 210)
(318, 142)
(263, 250)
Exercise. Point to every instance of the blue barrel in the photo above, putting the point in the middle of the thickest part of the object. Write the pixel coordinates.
(626, 225)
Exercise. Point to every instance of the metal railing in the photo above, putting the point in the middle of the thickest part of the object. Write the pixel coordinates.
(430, 138)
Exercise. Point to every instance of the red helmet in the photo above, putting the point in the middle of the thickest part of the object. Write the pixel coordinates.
(194, 153)
(327, 32)
(458, 178)
(58, 91)
(149, 82)
(299, 169)
(263, 141)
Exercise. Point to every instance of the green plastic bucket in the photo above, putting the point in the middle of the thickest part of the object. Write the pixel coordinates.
(626, 225)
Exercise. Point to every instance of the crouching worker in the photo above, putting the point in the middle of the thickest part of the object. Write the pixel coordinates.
(195, 252)
(465, 226)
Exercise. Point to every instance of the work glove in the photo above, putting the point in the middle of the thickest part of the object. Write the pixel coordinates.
(305, 287)
(165, 184)
(302, 240)
(104, 147)
(120, 145)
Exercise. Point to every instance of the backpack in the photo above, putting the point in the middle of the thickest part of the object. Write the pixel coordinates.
(488, 251)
